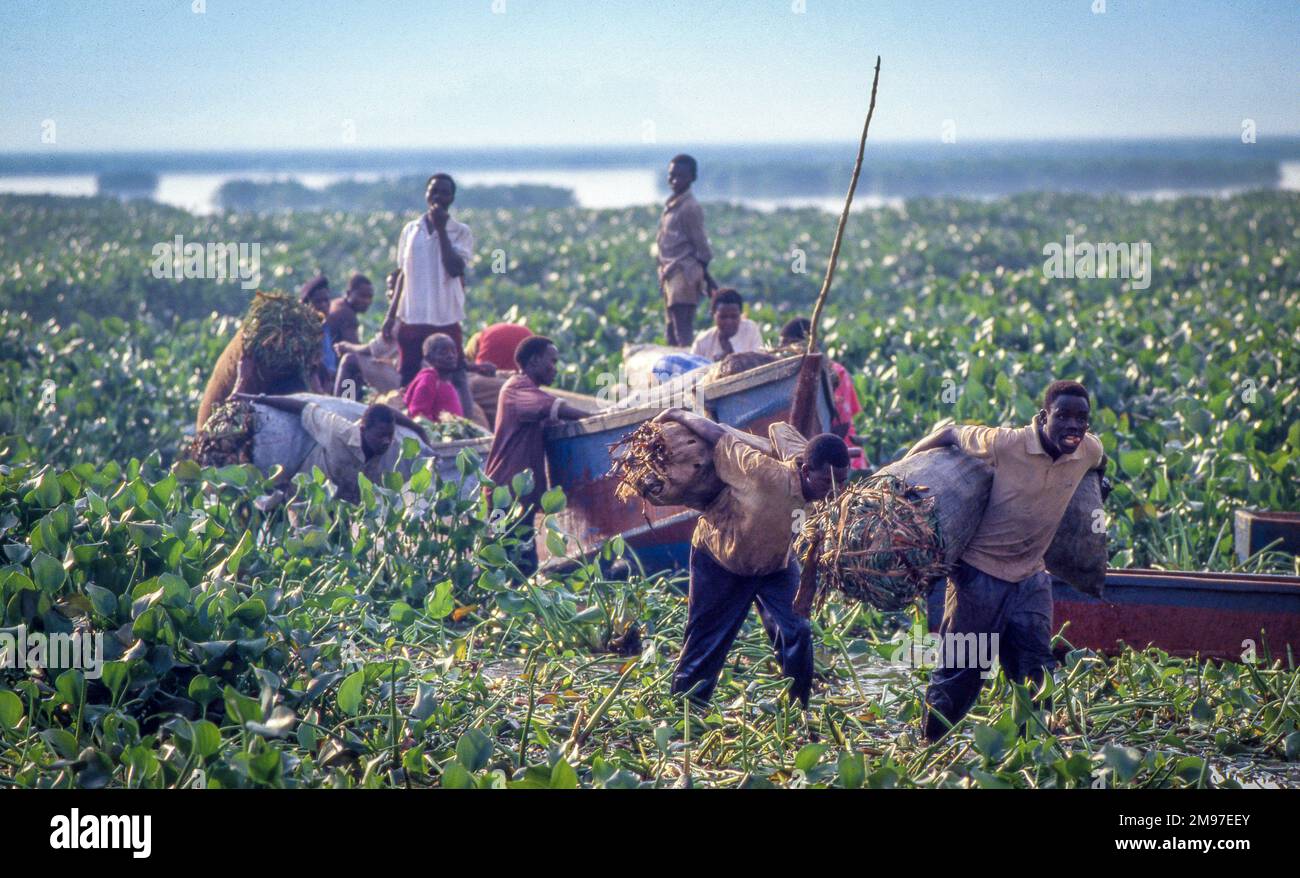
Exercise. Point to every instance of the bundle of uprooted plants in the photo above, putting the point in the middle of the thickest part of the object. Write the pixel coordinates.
(640, 461)
(664, 464)
(227, 437)
(282, 334)
(877, 541)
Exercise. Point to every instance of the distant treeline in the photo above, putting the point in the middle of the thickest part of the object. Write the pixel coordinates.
(129, 183)
(401, 195)
(978, 176)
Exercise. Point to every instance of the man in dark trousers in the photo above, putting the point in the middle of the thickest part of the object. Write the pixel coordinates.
(1001, 587)
(740, 552)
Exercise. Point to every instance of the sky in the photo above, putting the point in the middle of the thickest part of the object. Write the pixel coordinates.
(354, 74)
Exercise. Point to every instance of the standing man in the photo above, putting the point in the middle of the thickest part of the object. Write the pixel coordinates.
(432, 254)
(684, 253)
(1001, 587)
(519, 441)
(740, 551)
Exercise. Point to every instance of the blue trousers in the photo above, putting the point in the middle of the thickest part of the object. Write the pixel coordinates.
(1019, 613)
(718, 605)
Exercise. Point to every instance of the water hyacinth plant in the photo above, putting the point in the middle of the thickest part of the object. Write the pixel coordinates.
(395, 643)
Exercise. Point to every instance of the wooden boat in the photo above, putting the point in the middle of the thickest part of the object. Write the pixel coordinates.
(1227, 616)
(578, 459)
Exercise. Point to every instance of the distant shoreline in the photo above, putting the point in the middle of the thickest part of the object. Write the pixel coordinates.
(55, 160)
(766, 176)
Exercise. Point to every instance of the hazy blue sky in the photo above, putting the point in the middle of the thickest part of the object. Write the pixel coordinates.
(152, 74)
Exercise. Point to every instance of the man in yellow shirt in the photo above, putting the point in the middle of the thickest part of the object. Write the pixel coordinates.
(1000, 589)
(740, 552)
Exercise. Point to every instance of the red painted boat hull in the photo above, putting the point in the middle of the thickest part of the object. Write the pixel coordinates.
(1232, 617)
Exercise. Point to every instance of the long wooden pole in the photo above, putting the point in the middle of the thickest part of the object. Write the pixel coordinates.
(803, 407)
(844, 218)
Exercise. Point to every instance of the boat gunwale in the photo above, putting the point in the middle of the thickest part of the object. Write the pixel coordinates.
(709, 393)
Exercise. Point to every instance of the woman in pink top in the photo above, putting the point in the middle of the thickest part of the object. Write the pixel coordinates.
(430, 394)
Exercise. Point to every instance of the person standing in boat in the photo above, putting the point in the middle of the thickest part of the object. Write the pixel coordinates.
(1001, 587)
(741, 550)
(433, 253)
(684, 253)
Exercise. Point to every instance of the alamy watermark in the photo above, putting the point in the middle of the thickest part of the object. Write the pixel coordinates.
(1104, 259)
(77, 831)
(926, 649)
(177, 259)
(21, 649)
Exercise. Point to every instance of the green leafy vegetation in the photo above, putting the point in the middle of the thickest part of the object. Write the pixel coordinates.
(394, 643)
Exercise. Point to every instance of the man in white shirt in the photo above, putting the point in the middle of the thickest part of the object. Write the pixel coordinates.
(731, 333)
(432, 254)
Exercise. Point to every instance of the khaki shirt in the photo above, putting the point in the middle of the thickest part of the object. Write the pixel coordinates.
(681, 240)
(749, 527)
(1029, 496)
(338, 451)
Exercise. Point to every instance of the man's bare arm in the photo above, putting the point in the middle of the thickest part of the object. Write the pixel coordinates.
(568, 412)
(700, 426)
(451, 260)
(396, 284)
(944, 436)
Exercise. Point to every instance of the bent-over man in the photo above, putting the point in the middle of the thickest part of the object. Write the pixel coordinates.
(740, 551)
(344, 448)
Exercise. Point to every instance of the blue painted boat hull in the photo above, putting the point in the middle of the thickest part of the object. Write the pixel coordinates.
(578, 458)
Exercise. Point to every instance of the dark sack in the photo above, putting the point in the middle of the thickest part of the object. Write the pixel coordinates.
(960, 486)
(689, 478)
(1078, 552)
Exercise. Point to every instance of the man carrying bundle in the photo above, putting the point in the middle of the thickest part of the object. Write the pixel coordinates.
(1001, 587)
(276, 350)
(346, 448)
(740, 552)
